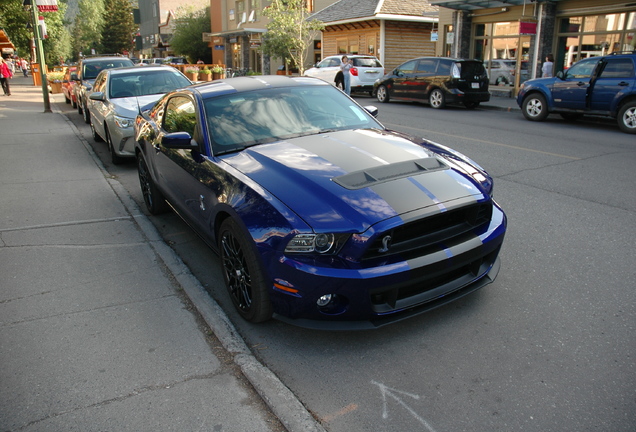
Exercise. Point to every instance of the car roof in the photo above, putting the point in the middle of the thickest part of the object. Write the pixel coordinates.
(144, 69)
(250, 83)
(103, 58)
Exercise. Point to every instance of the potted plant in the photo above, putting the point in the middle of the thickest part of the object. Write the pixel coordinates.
(205, 74)
(218, 72)
(192, 72)
(55, 81)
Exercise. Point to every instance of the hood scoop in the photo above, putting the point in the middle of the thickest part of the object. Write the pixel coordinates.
(385, 173)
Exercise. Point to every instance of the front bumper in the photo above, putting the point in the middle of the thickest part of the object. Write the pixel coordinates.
(373, 297)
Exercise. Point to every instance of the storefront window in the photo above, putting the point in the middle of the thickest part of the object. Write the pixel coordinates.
(505, 28)
(593, 35)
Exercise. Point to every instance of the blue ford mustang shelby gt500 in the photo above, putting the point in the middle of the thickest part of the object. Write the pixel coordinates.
(321, 216)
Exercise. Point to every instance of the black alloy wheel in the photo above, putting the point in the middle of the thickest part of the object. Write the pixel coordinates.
(242, 273)
(155, 201)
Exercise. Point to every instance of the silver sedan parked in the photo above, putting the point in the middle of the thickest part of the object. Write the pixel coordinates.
(118, 95)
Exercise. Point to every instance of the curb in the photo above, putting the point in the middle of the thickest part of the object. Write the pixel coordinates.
(278, 397)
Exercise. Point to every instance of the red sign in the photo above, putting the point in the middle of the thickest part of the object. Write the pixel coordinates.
(527, 28)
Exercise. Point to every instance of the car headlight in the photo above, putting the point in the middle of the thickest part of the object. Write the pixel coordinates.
(124, 122)
(322, 243)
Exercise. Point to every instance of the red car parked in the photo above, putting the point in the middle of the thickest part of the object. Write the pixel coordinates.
(68, 85)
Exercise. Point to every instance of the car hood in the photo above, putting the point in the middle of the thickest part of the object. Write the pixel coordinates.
(130, 106)
(351, 180)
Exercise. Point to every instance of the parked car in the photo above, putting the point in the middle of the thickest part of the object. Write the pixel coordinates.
(174, 60)
(115, 100)
(68, 85)
(150, 61)
(436, 80)
(502, 72)
(366, 69)
(88, 69)
(321, 216)
(601, 86)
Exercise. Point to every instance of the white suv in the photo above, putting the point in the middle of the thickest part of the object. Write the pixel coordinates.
(366, 69)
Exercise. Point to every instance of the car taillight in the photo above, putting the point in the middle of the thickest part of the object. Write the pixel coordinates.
(354, 71)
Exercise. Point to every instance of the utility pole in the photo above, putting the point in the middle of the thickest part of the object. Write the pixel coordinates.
(40, 55)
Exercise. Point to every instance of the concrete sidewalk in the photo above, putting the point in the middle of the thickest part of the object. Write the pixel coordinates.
(97, 330)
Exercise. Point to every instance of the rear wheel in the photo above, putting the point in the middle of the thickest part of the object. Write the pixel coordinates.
(382, 94)
(154, 199)
(243, 276)
(437, 99)
(627, 117)
(534, 107)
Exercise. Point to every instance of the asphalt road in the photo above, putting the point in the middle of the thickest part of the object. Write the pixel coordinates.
(549, 346)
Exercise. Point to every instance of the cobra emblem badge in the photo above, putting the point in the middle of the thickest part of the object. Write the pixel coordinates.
(386, 243)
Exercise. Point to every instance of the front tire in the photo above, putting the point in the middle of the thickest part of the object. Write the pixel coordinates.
(627, 117)
(86, 114)
(96, 136)
(535, 108)
(114, 157)
(382, 94)
(437, 99)
(154, 199)
(244, 279)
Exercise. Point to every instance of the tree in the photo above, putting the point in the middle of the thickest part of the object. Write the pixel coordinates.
(187, 39)
(14, 19)
(117, 36)
(89, 23)
(290, 33)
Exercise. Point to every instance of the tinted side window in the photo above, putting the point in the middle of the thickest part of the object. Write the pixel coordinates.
(618, 68)
(180, 115)
(582, 69)
(407, 67)
(444, 67)
(427, 66)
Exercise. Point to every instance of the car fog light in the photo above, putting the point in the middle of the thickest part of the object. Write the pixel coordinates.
(324, 300)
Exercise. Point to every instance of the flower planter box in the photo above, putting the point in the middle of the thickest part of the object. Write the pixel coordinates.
(205, 77)
(192, 76)
(56, 87)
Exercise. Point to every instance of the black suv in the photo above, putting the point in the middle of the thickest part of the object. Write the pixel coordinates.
(436, 80)
(87, 71)
(600, 86)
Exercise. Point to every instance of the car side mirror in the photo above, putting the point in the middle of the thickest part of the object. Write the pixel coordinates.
(74, 77)
(98, 96)
(372, 110)
(179, 140)
(560, 75)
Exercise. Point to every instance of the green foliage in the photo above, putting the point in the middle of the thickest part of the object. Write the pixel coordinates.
(117, 36)
(289, 33)
(14, 19)
(187, 38)
(88, 26)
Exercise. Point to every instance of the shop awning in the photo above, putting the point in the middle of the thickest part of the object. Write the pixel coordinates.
(471, 5)
(5, 43)
(229, 34)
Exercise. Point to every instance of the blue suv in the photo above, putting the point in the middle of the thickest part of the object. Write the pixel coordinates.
(601, 86)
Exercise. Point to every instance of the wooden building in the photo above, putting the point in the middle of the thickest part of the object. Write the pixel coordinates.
(392, 30)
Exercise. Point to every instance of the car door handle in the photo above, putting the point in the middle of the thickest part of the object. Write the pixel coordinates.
(581, 83)
(623, 84)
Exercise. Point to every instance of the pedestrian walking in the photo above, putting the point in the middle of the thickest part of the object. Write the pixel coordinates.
(25, 67)
(345, 67)
(547, 66)
(5, 76)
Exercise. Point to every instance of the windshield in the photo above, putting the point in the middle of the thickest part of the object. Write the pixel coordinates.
(366, 62)
(142, 83)
(92, 69)
(240, 120)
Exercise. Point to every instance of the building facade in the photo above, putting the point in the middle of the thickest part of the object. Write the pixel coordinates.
(526, 32)
(392, 30)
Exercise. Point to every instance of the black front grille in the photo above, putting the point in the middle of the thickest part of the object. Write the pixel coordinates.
(416, 238)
